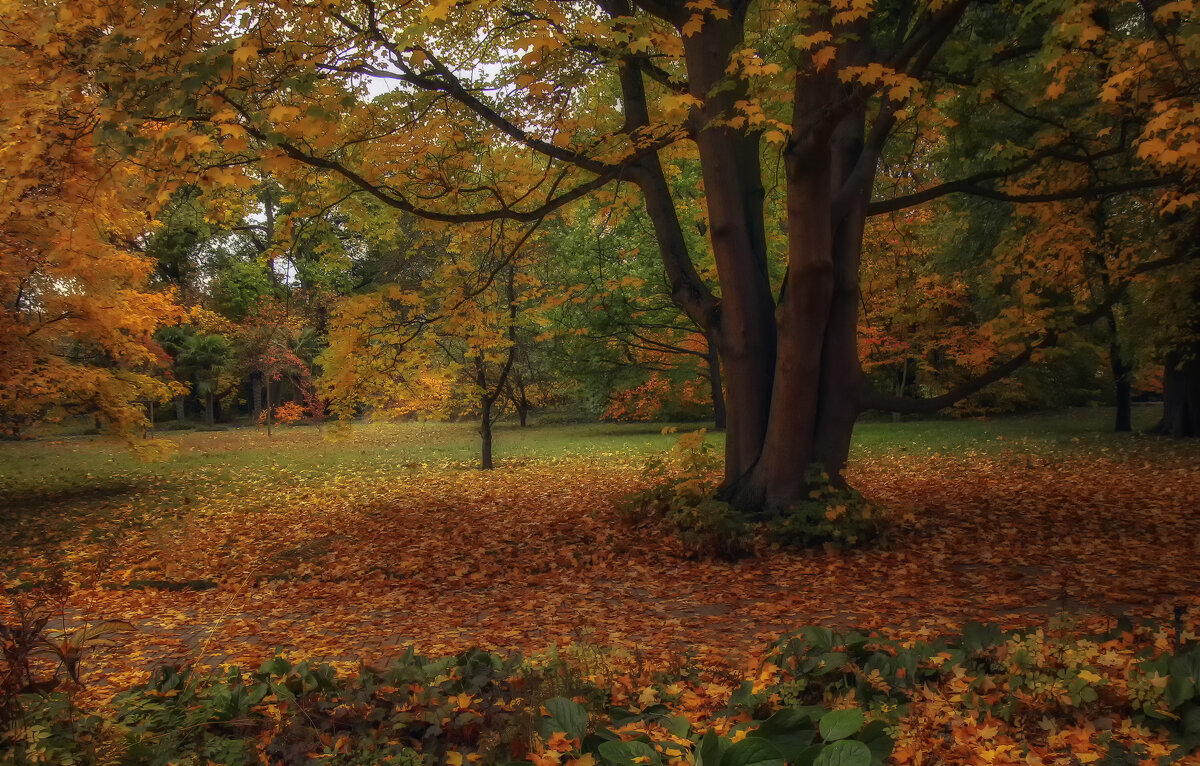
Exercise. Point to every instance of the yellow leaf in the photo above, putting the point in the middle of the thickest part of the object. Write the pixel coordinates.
(823, 57)
(437, 10)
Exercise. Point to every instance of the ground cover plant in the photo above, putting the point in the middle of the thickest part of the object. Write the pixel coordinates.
(337, 551)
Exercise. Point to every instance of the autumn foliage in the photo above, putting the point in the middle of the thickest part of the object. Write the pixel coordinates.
(791, 216)
(77, 319)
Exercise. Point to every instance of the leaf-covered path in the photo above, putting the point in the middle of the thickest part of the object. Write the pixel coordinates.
(362, 564)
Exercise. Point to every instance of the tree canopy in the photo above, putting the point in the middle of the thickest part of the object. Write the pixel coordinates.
(1035, 163)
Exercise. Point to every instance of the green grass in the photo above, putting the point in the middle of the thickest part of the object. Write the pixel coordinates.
(1075, 430)
(94, 465)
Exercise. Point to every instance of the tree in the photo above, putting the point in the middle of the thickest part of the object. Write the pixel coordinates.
(77, 314)
(621, 327)
(203, 359)
(449, 328)
(823, 88)
(272, 345)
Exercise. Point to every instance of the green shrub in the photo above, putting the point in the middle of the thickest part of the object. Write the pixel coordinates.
(710, 526)
(833, 518)
(685, 493)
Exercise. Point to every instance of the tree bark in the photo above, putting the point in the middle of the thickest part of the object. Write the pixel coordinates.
(1181, 394)
(180, 414)
(1181, 379)
(720, 417)
(208, 410)
(267, 393)
(256, 396)
(1122, 373)
(486, 400)
(901, 384)
(729, 159)
(485, 433)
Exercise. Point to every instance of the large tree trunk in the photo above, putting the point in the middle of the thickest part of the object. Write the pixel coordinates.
(1181, 394)
(817, 379)
(734, 192)
(180, 414)
(208, 410)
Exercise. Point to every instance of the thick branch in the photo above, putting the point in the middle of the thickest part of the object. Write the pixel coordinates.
(389, 197)
(877, 400)
(971, 186)
(447, 82)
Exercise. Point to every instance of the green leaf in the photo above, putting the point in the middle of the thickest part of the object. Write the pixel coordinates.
(978, 637)
(1184, 682)
(874, 735)
(830, 662)
(821, 639)
(1179, 690)
(565, 716)
(839, 724)
(711, 748)
(1190, 722)
(679, 726)
(846, 752)
(753, 751)
(789, 720)
(628, 753)
(790, 730)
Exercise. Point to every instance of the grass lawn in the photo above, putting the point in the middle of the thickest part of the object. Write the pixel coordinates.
(83, 465)
(344, 546)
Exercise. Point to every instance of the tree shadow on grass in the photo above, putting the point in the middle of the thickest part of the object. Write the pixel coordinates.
(43, 521)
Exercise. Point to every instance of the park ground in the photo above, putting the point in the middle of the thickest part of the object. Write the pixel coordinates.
(353, 545)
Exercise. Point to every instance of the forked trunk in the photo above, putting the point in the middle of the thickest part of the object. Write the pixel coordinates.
(815, 397)
(745, 326)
